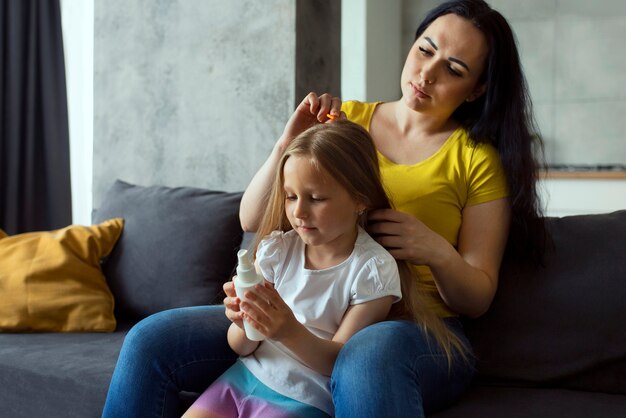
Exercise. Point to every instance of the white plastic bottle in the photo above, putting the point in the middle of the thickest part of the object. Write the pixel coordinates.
(246, 279)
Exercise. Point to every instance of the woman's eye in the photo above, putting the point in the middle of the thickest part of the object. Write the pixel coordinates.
(424, 51)
(317, 199)
(288, 197)
(454, 72)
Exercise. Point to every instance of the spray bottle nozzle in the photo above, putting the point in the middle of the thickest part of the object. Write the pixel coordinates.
(244, 259)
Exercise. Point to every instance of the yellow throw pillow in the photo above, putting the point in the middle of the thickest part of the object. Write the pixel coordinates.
(52, 281)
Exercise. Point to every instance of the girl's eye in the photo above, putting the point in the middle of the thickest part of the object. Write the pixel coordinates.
(317, 199)
(289, 197)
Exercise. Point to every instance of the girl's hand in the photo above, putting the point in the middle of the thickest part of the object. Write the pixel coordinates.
(405, 237)
(232, 304)
(268, 312)
(313, 109)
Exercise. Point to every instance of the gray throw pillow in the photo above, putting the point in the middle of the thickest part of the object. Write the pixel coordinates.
(177, 248)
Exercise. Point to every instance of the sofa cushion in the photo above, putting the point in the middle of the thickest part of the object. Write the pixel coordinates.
(177, 249)
(57, 374)
(52, 281)
(562, 324)
(512, 402)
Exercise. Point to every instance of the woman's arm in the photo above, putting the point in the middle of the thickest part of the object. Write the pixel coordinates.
(467, 277)
(268, 313)
(311, 110)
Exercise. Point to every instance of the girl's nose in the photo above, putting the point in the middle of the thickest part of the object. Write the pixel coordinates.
(299, 210)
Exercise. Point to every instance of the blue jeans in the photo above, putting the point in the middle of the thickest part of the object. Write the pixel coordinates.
(386, 369)
(176, 350)
(389, 369)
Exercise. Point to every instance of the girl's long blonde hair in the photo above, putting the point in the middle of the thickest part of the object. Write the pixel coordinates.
(346, 152)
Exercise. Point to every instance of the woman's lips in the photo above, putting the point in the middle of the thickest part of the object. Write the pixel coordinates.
(418, 92)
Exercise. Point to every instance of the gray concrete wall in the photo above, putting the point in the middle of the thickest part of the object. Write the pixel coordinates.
(573, 52)
(189, 92)
(574, 55)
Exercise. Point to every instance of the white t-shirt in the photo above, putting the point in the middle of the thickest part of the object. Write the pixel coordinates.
(319, 300)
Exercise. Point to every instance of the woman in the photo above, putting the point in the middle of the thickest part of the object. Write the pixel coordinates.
(462, 91)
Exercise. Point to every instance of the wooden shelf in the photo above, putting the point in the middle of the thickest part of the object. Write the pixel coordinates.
(582, 175)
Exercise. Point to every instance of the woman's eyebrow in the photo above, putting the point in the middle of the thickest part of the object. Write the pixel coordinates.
(431, 42)
(458, 61)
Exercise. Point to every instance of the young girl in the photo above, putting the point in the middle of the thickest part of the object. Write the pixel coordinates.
(326, 279)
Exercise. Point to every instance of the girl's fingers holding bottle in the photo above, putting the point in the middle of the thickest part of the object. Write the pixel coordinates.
(254, 301)
(252, 311)
(269, 296)
(234, 315)
(256, 324)
(232, 303)
(229, 288)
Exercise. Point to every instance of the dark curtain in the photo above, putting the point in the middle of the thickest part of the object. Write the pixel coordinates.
(35, 190)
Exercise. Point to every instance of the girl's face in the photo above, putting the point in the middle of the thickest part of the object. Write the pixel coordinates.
(319, 209)
(444, 65)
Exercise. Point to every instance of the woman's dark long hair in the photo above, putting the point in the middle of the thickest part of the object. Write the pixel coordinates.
(503, 117)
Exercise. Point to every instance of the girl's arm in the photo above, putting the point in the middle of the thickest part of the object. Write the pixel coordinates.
(467, 277)
(311, 110)
(268, 313)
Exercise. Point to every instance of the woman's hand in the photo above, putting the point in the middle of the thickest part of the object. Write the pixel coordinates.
(232, 304)
(311, 110)
(466, 276)
(405, 237)
(268, 312)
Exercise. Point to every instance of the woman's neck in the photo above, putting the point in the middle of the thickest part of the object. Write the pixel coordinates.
(408, 137)
(415, 124)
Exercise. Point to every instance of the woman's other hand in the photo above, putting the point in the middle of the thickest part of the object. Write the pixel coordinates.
(466, 276)
(405, 237)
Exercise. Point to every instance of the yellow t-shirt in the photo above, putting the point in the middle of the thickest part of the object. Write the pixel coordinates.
(437, 189)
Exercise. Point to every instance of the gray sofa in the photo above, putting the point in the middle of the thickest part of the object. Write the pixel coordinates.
(552, 345)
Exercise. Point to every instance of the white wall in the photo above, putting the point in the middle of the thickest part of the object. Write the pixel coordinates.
(562, 197)
(77, 21)
(371, 49)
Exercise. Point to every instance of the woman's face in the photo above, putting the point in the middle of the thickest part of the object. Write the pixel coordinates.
(444, 65)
